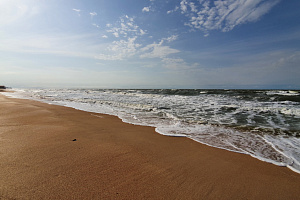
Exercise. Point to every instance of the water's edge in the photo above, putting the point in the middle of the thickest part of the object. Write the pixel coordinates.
(281, 164)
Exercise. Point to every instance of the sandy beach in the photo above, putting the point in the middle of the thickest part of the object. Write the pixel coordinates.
(54, 152)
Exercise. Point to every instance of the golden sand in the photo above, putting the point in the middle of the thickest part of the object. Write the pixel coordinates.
(54, 152)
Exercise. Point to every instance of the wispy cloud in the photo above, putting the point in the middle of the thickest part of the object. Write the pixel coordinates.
(77, 11)
(183, 6)
(206, 15)
(150, 8)
(171, 38)
(124, 49)
(174, 10)
(121, 49)
(126, 43)
(127, 34)
(157, 50)
(125, 27)
(93, 14)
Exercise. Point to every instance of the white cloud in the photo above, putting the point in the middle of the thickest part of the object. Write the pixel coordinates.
(142, 32)
(183, 6)
(116, 34)
(126, 48)
(120, 49)
(171, 38)
(174, 10)
(93, 14)
(223, 15)
(125, 27)
(193, 7)
(146, 9)
(157, 50)
(128, 33)
(76, 10)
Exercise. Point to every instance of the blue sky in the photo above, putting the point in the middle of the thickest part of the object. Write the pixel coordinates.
(150, 43)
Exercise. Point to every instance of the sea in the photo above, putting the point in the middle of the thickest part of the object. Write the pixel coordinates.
(262, 123)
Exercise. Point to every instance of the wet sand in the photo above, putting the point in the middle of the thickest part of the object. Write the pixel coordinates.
(54, 152)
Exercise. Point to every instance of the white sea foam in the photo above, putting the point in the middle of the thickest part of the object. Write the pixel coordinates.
(283, 92)
(227, 120)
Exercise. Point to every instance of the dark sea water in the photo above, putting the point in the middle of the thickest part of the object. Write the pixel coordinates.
(262, 123)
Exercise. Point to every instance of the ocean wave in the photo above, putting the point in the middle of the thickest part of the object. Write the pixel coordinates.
(244, 121)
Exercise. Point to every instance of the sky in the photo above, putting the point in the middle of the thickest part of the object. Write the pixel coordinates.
(239, 44)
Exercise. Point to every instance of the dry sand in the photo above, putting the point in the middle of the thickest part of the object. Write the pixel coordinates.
(114, 160)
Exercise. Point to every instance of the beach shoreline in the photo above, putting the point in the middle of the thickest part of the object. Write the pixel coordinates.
(55, 152)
